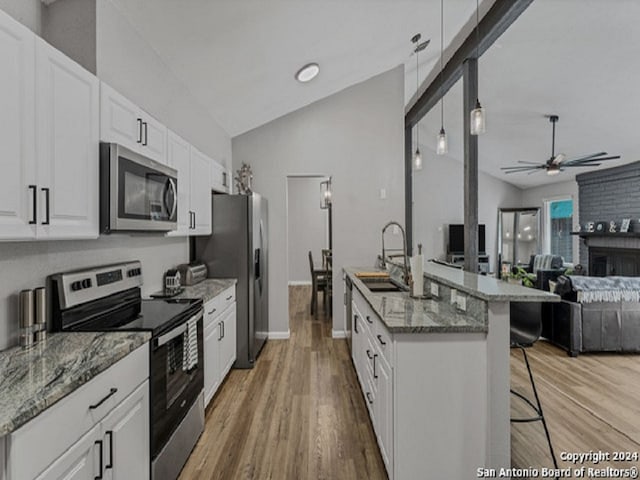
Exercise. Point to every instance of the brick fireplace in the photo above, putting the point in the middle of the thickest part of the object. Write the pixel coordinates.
(605, 195)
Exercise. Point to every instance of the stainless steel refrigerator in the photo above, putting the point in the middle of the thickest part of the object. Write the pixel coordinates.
(237, 248)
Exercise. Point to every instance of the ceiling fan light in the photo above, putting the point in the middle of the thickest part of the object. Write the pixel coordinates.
(478, 121)
(417, 160)
(553, 170)
(442, 146)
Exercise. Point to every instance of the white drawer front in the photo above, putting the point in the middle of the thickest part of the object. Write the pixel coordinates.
(39, 442)
(218, 304)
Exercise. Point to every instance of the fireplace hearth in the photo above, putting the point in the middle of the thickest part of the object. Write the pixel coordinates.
(604, 261)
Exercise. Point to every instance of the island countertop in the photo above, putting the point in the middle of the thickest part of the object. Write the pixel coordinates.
(403, 314)
(32, 380)
(484, 287)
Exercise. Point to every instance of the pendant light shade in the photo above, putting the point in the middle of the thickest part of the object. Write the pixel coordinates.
(417, 159)
(478, 122)
(441, 146)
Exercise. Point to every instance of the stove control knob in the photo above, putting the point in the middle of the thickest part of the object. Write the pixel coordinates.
(86, 283)
(76, 286)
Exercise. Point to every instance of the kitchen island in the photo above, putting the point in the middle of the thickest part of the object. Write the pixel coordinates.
(435, 371)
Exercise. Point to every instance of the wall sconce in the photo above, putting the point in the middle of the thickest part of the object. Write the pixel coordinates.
(325, 194)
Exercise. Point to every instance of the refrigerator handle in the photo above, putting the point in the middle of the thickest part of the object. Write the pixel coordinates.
(256, 262)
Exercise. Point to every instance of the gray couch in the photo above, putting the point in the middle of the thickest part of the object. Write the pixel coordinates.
(595, 327)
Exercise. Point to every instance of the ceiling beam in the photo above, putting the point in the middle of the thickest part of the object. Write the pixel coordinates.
(501, 14)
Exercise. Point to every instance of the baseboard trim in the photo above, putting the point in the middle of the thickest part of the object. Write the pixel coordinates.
(280, 335)
(338, 334)
(295, 283)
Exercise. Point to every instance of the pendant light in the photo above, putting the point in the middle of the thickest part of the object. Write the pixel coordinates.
(478, 120)
(417, 157)
(441, 144)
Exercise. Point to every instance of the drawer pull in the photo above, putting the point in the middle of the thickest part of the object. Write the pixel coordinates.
(212, 311)
(111, 393)
(369, 354)
(382, 342)
(369, 319)
(229, 297)
(369, 397)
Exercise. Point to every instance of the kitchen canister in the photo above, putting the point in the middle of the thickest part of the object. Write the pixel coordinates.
(40, 323)
(27, 318)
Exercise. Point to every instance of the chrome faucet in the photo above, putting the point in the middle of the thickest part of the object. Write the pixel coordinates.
(383, 263)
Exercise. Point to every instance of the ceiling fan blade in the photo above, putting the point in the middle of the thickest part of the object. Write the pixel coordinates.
(587, 157)
(580, 165)
(529, 163)
(591, 160)
(520, 168)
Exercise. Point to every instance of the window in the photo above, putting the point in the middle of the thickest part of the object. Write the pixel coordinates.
(558, 226)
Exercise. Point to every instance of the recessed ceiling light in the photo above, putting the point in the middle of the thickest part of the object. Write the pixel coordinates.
(308, 72)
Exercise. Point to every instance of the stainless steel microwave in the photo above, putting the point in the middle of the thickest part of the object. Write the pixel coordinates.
(136, 193)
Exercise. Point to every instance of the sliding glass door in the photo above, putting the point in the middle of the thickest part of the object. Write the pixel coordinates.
(518, 237)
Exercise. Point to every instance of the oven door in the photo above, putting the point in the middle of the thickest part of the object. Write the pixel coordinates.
(143, 192)
(174, 387)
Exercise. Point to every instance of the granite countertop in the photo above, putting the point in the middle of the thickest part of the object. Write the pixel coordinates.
(403, 314)
(486, 288)
(31, 380)
(207, 289)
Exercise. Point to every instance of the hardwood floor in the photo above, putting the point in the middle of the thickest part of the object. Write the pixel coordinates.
(590, 403)
(299, 414)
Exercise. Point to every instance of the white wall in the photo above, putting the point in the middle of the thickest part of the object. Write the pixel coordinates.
(308, 226)
(356, 136)
(25, 265)
(131, 66)
(438, 200)
(27, 12)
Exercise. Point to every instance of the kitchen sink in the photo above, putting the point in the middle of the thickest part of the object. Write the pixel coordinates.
(383, 284)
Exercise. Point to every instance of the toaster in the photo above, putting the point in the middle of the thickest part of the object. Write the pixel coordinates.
(192, 273)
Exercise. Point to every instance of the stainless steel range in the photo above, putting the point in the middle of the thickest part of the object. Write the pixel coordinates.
(108, 298)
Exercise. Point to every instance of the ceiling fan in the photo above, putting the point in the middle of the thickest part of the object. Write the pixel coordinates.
(557, 163)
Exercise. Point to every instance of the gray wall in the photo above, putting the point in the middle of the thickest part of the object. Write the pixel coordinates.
(27, 264)
(27, 12)
(610, 194)
(356, 136)
(438, 201)
(307, 226)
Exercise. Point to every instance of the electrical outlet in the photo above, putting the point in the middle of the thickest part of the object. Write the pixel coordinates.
(383, 193)
(434, 289)
(462, 302)
(453, 296)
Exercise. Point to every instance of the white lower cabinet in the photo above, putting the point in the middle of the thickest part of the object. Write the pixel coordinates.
(219, 340)
(101, 430)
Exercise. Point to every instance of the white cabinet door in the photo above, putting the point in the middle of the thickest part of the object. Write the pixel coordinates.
(221, 181)
(357, 344)
(125, 436)
(154, 138)
(383, 409)
(119, 119)
(80, 462)
(178, 157)
(211, 345)
(67, 101)
(17, 129)
(228, 347)
(200, 192)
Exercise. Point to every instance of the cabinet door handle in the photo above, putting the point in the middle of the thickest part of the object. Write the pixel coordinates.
(100, 461)
(111, 393)
(369, 354)
(355, 323)
(34, 193)
(223, 332)
(146, 134)
(219, 331)
(139, 130)
(369, 319)
(46, 205)
(229, 297)
(369, 397)
(224, 179)
(375, 375)
(382, 342)
(110, 464)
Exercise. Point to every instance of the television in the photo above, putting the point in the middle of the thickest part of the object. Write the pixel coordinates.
(456, 239)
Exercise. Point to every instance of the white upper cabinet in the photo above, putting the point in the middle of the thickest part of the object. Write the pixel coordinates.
(67, 102)
(221, 181)
(17, 130)
(123, 122)
(48, 140)
(200, 192)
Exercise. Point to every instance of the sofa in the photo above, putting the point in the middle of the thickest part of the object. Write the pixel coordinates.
(596, 314)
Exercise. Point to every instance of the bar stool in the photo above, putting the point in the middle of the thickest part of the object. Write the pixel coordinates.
(319, 281)
(525, 331)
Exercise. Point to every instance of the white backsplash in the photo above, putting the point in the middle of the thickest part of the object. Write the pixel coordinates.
(26, 265)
